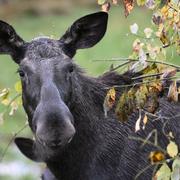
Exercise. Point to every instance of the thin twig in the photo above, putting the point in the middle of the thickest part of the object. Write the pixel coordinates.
(149, 166)
(13, 99)
(142, 171)
(147, 142)
(143, 37)
(172, 7)
(154, 131)
(117, 67)
(13, 137)
(155, 170)
(148, 75)
(134, 60)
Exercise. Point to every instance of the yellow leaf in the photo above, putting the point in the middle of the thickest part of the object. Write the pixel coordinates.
(156, 156)
(141, 96)
(5, 102)
(140, 2)
(145, 120)
(173, 92)
(164, 39)
(172, 149)
(18, 87)
(122, 108)
(106, 7)
(157, 86)
(4, 93)
(128, 6)
(14, 107)
(109, 100)
(101, 2)
(164, 10)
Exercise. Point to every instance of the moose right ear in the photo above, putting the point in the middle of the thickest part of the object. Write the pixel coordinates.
(10, 42)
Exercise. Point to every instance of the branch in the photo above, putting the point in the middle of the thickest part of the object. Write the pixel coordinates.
(139, 83)
(123, 64)
(143, 37)
(173, 8)
(134, 60)
(148, 75)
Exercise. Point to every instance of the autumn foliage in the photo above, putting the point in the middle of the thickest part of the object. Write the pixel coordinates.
(154, 76)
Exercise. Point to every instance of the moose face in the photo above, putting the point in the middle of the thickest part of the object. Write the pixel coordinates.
(45, 69)
(46, 84)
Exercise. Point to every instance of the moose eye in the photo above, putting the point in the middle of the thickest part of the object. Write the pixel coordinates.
(21, 73)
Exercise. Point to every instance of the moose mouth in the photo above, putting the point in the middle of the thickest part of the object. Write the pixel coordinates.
(52, 144)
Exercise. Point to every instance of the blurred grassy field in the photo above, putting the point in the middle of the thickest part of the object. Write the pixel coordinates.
(116, 43)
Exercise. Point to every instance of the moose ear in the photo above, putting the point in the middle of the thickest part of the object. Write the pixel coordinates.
(84, 33)
(10, 42)
(26, 146)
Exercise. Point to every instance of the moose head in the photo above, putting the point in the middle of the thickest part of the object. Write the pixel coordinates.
(46, 69)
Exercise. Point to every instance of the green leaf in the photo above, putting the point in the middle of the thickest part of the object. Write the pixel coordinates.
(122, 108)
(101, 2)
(176, 163)
(175, 174)
(163, 173)
(176, 169)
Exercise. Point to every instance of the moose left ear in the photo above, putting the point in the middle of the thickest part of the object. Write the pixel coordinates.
(84, 33)
(10, 42)
(26, 146)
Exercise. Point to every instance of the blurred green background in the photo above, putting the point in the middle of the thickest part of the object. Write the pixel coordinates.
(32, 18)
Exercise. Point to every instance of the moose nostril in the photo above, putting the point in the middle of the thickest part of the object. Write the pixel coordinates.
(50, 143)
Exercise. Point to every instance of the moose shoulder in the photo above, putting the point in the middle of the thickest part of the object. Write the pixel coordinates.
(65, 109)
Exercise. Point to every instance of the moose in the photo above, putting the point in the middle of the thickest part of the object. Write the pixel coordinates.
(65, 109)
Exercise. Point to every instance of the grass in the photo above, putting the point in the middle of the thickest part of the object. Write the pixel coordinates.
(116, 43)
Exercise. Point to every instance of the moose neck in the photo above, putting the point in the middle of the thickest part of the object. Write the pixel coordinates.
(86, 105)
(87, 100)
(88, 95)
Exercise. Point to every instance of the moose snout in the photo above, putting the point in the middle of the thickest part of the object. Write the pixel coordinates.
(55, 136)
(53, 125)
